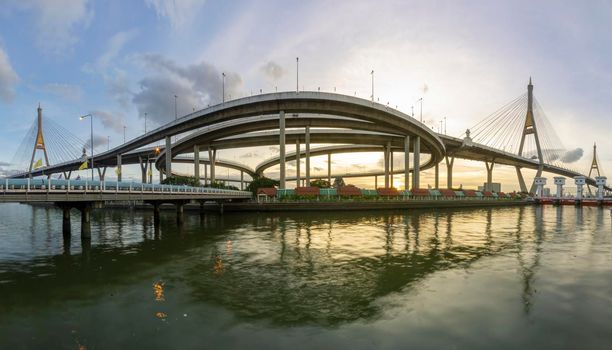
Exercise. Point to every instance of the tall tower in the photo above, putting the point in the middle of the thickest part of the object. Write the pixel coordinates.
(594, 163)
(530, 127)
(594, 166)
(39, 144)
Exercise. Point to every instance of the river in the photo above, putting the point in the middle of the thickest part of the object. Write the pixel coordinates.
(504, 278)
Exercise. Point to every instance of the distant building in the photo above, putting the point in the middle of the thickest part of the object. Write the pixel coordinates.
(493, 187)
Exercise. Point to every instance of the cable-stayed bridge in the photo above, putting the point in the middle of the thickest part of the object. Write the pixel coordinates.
(518, 134)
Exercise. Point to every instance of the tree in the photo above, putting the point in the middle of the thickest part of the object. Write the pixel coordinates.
(261, 182)
(222, 185)
(182, 180)
(320, 183)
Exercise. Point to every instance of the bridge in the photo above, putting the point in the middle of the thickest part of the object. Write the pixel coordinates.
(517, 135)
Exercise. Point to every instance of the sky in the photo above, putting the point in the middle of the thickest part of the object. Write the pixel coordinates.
(121, 59)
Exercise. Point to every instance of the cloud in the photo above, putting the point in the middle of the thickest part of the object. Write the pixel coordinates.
(110, 120)
(98, 141)
(4, 163)
(179, 13)
(65, 91)
(194, 85)
(116, 80)
(273, 71)
(572, 155)
(8, 78)
(57, 21)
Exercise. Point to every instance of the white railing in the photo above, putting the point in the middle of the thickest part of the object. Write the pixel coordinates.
(9, 186)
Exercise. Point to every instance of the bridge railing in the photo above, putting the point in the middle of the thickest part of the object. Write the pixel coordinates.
(86, 186)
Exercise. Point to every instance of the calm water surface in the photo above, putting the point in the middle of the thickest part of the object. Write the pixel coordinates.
(454, 279)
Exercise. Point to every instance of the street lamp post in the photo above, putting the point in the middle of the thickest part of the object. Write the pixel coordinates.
(124, 133)
(108, 143)
(91, 142)
(421, 100)
(297, 74)
(175, 113)
(372, 85)
(145, 122)
(223, 88)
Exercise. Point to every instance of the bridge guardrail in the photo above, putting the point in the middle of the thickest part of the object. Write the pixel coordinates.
(87, 186)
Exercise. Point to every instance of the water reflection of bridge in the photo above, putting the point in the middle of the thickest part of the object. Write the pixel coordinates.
(296, 270)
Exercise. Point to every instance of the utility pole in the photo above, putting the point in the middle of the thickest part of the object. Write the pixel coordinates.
(145, 123)
(297, 74)
(372, 85)
(223, 88)
(421, 100)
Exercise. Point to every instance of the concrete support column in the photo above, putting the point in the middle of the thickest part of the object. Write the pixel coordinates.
(205, 174)
(416, 162)
(297, 162)
(307, 144)
(391, 166)
(407, 163)
(161, 176)
(329, 168)
(375, 182)
(580, 181)
(143, 169)
(449, 171)
(179, 213)
(521, 180)
(281, 144)
(66, 228)
(101, 173)
(437, 176)
(386, 156)
(489, 174)
(539, 182)
(168, 156)
(212, 155)
(241, 180)
(85, 222)
(119, 167)
(196, 162)
(150, 172)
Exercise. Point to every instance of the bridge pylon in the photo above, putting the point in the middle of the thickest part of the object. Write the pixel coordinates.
(530, 128)
(594, 166)
(39, 143)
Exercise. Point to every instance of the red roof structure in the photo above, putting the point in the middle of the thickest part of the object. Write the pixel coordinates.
(268, 191)
(446, 192)
(420, 192)
(388, 192)
(349, 190)
(308, 191)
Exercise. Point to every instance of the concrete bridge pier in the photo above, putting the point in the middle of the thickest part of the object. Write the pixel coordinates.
(85, 210)
(407, 163)
(489, 166)
(143, 169)
(297, 163)
(168, 156)
(450, 161)
(212, 155)
(156, 220)
(559, 181)
(180, 218)
(118, 171)
(580, 181)
(307, 145)
(66, 227)
(416, 160)
(387, 156)
(329, 168)
(102, 173)
(281, 144)
(196, 162)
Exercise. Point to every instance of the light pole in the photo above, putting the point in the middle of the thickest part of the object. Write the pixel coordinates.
(175, 113)
(124, 133)
(421, 100)
(91, 140)
(372, 85)
(444, 125)
(108, 143)
(223, 89)
(297, 74)
(145, 122)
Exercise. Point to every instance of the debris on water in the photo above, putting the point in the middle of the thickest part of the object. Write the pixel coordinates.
(161, 315)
